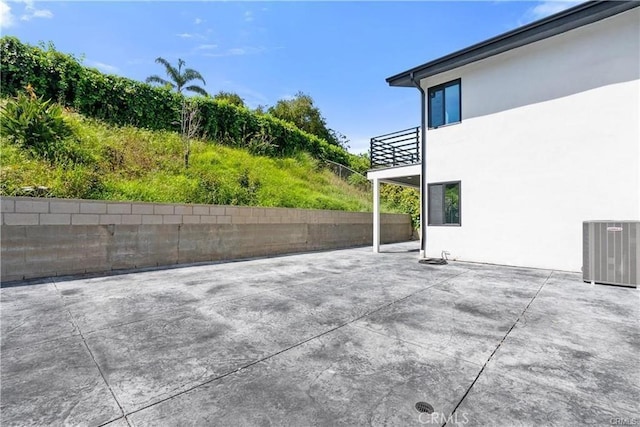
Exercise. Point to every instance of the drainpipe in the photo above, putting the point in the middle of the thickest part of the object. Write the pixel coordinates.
(423, 164)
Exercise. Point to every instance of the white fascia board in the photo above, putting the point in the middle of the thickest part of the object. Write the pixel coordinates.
(394, 172)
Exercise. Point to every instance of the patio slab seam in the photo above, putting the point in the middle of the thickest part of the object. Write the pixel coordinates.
(116, 422)
(498, 347)
(263, 359)
(84, 341)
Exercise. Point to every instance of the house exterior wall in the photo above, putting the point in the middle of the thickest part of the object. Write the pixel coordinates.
(549, 138)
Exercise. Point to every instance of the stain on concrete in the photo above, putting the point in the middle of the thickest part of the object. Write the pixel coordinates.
(217, 288)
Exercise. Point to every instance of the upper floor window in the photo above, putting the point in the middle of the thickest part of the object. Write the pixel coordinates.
(444, 104)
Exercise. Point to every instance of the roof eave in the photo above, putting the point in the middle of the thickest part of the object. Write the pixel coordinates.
(575, 17)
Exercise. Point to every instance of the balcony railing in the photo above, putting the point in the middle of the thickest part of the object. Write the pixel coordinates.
(399, 148)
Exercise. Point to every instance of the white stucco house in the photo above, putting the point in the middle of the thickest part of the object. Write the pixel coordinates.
(524, 136)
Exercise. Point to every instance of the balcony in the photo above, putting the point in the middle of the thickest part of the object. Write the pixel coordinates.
(395, 158)
(401, 148)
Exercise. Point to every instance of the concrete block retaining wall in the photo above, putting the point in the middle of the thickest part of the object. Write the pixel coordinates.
(53, 237)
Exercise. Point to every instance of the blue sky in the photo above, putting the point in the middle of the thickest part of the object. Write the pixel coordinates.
(338, 52)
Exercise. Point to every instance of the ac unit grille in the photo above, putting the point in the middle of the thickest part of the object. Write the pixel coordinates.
(611, 252)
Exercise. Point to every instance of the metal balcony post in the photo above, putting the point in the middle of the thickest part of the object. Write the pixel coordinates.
(371, 153)
(417, 144)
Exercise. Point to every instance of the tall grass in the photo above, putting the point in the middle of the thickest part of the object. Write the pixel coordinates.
(128, 163)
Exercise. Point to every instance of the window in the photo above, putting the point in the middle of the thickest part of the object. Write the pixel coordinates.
(444, 104)
(444, 203)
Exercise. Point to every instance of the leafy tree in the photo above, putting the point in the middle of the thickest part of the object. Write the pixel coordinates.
(232, 98)
(361, 163)
(261, 110)
(178, 78)
(301, 111)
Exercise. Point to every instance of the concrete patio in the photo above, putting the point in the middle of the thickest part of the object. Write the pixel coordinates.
(331, 338)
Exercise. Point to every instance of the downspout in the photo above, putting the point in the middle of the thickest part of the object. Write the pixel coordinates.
(423, 164)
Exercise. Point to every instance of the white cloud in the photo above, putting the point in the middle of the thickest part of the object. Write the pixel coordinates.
(248, 16)
(6, 17)
(42, 13)
(102, 66)
(546, 8)
(31, 12)
(195, 36)
(207, 47)
(198, 21)
(238, 51)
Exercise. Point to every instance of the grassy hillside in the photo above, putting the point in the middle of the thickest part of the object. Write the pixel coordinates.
(120, 101)
(100, 161)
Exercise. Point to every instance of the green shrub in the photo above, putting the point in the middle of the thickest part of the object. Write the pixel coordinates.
(360, 163)
(358, 180)
(123, 101)
(36, 125)
(51, 74)
(404, 199)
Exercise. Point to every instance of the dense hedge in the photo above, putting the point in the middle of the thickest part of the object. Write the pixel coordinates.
(123, 101)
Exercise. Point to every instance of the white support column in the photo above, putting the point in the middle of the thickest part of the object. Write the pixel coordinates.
(376, 215)
(423, 216)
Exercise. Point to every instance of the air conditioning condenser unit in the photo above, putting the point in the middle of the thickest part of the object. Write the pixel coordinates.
(611, 252)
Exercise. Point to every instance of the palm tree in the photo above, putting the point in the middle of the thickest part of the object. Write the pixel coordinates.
(178, 77)
(189, 115)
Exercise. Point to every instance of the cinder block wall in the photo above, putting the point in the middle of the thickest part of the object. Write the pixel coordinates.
(53, 237)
